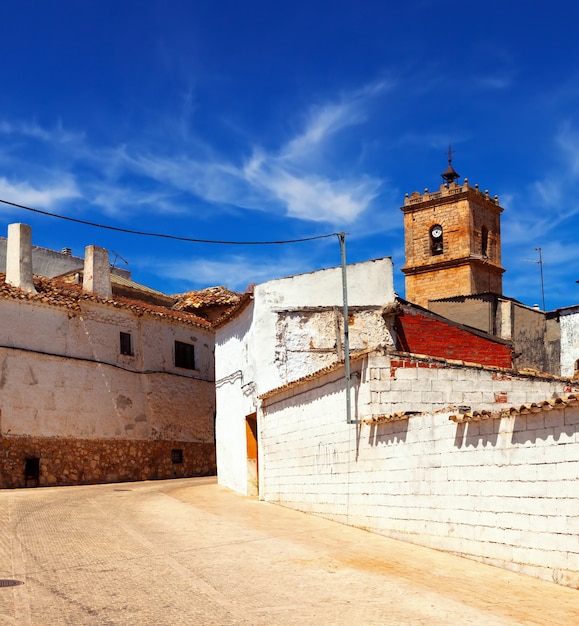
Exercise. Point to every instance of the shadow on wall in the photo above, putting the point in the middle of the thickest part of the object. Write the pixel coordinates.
(526, 429)
(477, 434)
(388, 433)
(530, 428)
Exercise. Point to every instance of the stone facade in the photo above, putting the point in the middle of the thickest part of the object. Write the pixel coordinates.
(68, 461)
(468, 260)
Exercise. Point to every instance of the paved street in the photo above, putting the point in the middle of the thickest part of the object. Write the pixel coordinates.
(190, 552)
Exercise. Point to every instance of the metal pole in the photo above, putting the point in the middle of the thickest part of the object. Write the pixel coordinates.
(542, 281)
(342, 238)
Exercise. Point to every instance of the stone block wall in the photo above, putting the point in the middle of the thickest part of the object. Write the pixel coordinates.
(503, 491)
(400, 382)
(88, 461)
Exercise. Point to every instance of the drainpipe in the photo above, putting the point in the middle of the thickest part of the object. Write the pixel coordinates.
(349, 420)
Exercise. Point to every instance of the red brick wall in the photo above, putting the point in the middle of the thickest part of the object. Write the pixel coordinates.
(423, 335)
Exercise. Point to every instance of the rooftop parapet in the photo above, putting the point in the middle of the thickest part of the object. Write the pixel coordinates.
(445, 191)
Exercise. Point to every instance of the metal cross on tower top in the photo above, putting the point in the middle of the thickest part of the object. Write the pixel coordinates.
(450, 175)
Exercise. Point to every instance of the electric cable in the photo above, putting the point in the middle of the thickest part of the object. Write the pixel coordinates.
(163, 235)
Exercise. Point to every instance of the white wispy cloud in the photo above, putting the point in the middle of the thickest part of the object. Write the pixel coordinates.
(546, 204)
(293, 179)
(32, 129)
(235, 271)
(495, 81)
(304, 178)
(315, 198)
(45, 196)
(125, 202)
(568, 142)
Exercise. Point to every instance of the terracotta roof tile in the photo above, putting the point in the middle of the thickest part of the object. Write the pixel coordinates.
(212, 296)
(561, 402)
(58, 293)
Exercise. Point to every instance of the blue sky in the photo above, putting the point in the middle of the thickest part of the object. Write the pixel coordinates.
(268, 120)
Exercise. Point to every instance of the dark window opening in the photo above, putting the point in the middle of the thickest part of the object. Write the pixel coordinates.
(177, 456)
(436, 243)
(31, 469)
(184, 355)
(484, 244)
(126, 346)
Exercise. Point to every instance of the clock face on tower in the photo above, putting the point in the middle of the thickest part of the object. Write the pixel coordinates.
(436, 231)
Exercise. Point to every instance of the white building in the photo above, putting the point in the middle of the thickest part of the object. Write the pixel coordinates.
(291, 327)
(97, 388)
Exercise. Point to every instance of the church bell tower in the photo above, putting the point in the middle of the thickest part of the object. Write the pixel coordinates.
(452, 241)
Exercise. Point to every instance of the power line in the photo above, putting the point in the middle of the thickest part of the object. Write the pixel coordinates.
(165, 236)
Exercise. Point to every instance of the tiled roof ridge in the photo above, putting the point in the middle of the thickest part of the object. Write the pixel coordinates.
(234, 311)
(210, 296)
(55, 292)
(559, 402)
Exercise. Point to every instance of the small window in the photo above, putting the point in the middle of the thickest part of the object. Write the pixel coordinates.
(436, 243)
(184, 355)
(484, 243)
(177, 456)
(126, 344)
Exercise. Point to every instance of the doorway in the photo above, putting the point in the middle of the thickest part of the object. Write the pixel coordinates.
(252, 455)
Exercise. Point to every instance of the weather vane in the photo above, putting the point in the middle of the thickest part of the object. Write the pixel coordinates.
(449, 175)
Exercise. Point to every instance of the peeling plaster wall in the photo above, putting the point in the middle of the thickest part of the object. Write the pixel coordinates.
(503, 491)
(307, 341)
(62, 376)
(369, 284)
(569, 324)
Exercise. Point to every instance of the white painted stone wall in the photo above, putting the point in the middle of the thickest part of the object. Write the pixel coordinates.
(569, 325)
(293, 327)
(369, 284)
(502, 491)
(62, 374)
(235, 383)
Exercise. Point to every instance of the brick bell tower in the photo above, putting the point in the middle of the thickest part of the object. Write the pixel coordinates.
(452, 241)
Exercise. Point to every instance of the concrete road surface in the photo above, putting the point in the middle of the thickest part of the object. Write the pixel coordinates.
(189, 552)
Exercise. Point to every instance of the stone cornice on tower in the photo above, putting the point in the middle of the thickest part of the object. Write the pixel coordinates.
(471, 260)
(453, 192)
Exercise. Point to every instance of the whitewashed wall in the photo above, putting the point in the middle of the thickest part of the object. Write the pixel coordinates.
(503, 491)
(293, 327)
(62, 375)
(369, 284)
(235, 399)
(569, 325)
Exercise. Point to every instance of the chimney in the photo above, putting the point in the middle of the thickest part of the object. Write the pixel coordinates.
(19, 257)
(97, 272)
